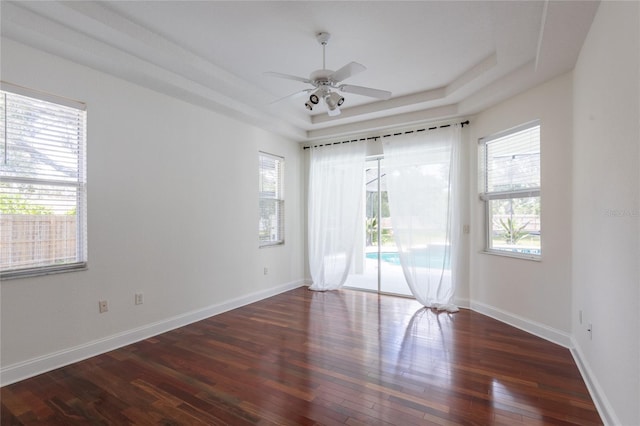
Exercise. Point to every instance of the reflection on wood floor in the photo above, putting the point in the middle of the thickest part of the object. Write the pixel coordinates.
(308, 358)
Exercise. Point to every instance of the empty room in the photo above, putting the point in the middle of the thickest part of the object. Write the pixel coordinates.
(320, 212)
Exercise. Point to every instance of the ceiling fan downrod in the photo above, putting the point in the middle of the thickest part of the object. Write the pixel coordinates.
(324, 80)
(323, 39)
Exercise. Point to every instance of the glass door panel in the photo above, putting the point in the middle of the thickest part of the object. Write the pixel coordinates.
(376, 266)
(391, 276)
(364, 273)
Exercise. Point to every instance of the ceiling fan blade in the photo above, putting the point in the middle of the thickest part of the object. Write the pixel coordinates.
(352, 68)
(291, 96)
(365, 91)
(287, 76)
(333, 112)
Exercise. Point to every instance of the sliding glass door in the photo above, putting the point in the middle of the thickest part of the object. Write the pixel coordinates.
(376, 266)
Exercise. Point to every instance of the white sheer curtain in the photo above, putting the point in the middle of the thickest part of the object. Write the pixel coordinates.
(423, 188)
(336, 178)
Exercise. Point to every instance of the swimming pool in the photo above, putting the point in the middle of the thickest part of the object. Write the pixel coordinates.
(433, 257)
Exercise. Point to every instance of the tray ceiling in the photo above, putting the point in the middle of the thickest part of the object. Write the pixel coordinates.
(439, 59)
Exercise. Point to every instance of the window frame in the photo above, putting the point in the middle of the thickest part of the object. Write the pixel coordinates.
(278, 199)
(79, 183)
(487, 196)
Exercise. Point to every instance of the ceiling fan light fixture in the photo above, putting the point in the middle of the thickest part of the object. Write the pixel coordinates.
(324, 80)
(333, 112)
(333, 100)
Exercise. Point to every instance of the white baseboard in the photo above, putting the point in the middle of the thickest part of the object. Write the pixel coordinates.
(32, 367)
(595, 390)
(462, 303)
(563, 339)
(548, 333)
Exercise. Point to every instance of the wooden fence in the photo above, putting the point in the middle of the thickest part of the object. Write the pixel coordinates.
(36, 240)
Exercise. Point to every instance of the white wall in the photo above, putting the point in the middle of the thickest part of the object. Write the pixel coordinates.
(606, 205)
(535, 295)
(172, 213)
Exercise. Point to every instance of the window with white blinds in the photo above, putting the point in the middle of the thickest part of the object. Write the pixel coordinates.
(509, 184)
(271, 200)
(42, 183)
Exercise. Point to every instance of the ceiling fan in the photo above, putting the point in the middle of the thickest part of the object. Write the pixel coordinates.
(324, 80)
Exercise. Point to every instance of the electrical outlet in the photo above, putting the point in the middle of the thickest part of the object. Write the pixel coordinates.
(138, 299)
(466, 229)
(103, 306)
(266, 270)
(590, 330)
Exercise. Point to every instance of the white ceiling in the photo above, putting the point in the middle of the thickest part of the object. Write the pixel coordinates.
(440, 59)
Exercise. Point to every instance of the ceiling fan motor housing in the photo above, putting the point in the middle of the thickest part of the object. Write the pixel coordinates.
(321, 77)
(324, 80)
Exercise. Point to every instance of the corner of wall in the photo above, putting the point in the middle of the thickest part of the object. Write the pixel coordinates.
(595, 390)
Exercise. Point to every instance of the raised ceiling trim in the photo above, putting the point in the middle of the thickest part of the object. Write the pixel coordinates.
(442, 112)
(543, 23)
(131, 44)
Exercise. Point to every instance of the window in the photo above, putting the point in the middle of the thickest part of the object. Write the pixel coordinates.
(271, 223)
(510, 187)
(43, 183)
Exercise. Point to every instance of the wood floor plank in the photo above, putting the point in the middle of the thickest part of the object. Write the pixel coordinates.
(309, 358)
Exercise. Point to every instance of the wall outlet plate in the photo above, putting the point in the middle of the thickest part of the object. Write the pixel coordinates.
(103, 306)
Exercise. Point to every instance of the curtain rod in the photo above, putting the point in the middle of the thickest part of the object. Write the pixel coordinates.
(462, 124)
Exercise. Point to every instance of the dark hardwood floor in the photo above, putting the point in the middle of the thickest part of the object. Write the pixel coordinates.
(308, 358)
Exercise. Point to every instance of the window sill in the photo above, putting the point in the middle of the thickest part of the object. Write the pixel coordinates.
(46, 270)
(521, 256)
(271, 245)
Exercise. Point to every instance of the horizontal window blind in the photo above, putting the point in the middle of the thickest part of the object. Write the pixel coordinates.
(509, 183)
(271, 200)
(510, 164)
(43, 182)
